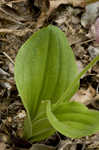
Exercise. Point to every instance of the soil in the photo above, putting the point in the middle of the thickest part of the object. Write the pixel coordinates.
(19, 20)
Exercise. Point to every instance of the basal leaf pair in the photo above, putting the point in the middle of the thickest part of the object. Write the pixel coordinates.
(46, 76)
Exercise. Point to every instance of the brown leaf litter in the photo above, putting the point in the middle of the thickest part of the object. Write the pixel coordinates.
(17, 23)
(47, 8)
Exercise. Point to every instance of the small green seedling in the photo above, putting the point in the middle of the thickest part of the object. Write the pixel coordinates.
(46, 76)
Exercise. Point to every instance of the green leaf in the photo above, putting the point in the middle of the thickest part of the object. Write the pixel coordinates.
(27, 127)
(42, 129)
(44, 68)
(73, 119)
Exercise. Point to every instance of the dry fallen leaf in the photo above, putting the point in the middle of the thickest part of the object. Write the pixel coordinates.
(75, 3)
(2, 146)
(47, 10)
(84, 96)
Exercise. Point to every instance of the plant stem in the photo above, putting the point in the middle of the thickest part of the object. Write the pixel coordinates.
(67, 94)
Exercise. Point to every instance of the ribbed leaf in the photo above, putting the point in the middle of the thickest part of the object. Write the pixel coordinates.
(27, 127)
(44, 68)
(42, 129)
(73, 119)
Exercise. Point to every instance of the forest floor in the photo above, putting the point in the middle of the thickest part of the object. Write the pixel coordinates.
(18, 20)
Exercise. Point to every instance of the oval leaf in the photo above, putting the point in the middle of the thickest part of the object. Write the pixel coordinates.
(73, 119)
(44, 68)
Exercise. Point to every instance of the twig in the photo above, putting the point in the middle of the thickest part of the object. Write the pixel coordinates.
(82, 42)
(87, 41)
(8, 57)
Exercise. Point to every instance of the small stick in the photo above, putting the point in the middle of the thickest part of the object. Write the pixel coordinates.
(82, 42)
(8, 57)
(87, 41)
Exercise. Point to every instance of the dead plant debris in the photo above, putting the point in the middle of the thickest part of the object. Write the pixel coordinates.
(18, 20)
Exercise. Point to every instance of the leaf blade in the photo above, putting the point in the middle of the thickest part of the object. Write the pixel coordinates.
(73, 123)
(42, 129)
(48, 69)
